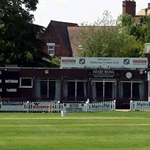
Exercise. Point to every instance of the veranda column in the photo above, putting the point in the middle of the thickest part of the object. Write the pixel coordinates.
(90, 90)
(62, 89)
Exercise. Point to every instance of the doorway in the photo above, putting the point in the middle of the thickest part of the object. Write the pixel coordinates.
(130, 90)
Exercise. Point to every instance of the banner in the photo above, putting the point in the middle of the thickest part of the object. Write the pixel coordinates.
(103, 62)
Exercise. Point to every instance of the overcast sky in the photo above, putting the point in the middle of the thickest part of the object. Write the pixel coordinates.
(79, 11)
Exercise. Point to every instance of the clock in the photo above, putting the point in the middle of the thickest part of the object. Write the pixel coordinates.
(128, 75)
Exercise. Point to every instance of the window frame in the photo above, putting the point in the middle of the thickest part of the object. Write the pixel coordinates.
(51, 44)
(22, 86)
(48, 87)
(76, 90)
(103, 81)
(131, 85)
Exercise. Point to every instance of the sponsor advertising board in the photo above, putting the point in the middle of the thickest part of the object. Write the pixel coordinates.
(45, 106)
(103, 62)
(55, 107)
(139, 105)
(74, 107)
(148, 76)
(12, 106)
(40, 106)
(100, 106)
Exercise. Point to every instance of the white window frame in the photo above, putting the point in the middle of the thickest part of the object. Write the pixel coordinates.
(51, 44)
(20, 83)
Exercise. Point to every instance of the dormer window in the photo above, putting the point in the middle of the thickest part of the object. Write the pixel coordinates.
(51, 48)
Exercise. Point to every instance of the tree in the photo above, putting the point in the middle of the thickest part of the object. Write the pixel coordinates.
(105, 38)
(19, 43)
(55, 62)
(140, 28)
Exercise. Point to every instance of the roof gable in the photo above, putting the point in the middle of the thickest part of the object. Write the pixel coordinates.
(61, 29)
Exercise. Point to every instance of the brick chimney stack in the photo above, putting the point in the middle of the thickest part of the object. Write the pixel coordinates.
(129, 7)
(148, 5)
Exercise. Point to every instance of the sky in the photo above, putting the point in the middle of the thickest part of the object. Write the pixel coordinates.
(79, 11)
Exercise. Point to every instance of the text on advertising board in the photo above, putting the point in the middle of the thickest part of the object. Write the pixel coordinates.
(103, 73)
(103, 62)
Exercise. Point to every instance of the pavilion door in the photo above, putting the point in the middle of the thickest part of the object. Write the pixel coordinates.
(130, 90)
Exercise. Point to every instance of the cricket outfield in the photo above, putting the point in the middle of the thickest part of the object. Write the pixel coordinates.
(77, 131)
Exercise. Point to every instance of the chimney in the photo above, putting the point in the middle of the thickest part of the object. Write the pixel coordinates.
(146, 10)
(129, 7)
(148, 5)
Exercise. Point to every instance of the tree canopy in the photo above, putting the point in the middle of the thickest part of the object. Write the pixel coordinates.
(140, 27)
(19, 43)
(107, 38)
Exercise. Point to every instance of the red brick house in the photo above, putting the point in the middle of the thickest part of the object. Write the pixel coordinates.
(129, 7)
(57, 39)
(60, 37)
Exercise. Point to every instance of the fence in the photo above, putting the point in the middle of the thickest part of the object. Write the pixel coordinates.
(139, 105)
(54, 106)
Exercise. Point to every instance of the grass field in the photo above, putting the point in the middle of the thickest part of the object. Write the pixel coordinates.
(77, 131)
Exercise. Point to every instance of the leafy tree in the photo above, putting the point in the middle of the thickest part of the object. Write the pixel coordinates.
(55, 62)
(19, 43)
(140, 27)
(105, 38)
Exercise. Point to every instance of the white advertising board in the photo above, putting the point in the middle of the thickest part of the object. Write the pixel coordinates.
(148, 76)
(103, 62)
(12, 106)
(40, 106)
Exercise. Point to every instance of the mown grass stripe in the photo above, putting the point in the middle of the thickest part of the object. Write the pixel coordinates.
(86, 118)
(36, 125)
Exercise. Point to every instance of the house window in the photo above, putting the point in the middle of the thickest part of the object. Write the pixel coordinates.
(51, 48)
(80, 47)
(26, 82)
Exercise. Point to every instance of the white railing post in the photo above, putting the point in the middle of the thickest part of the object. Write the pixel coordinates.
(114, 104)
(28, 104)
(49, 107)
(131, 105)
(0, 105)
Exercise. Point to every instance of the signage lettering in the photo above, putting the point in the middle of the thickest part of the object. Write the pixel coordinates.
(103, 73)
(11, 81)
(143, 104)
(11, 90)
(100, 106)
(140, 61)
(12, 102)
(39, 107)
(68, 60)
